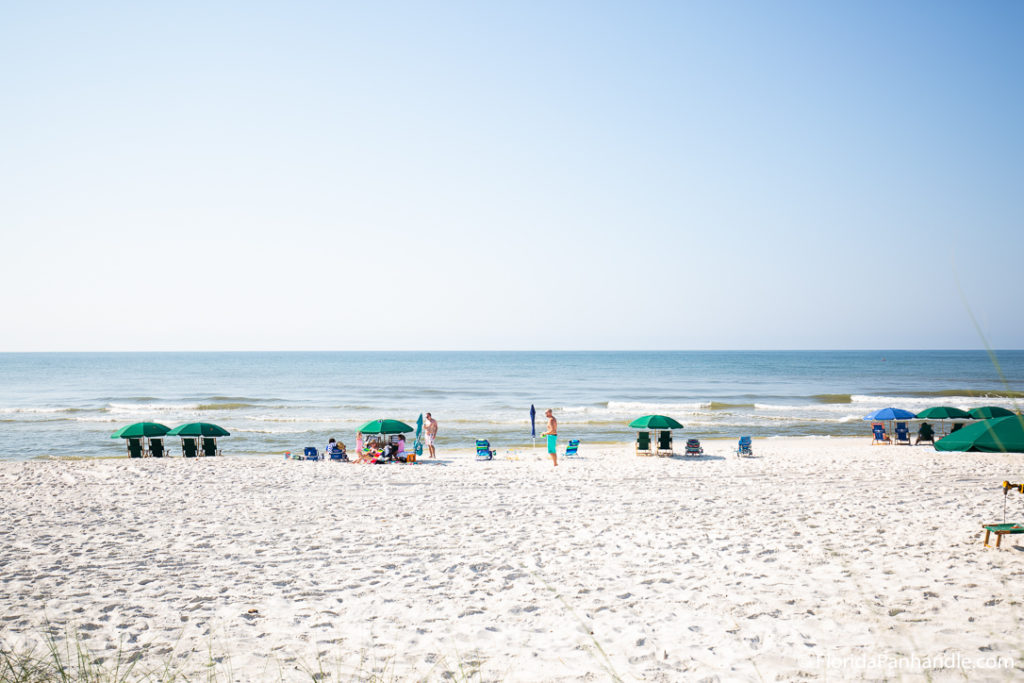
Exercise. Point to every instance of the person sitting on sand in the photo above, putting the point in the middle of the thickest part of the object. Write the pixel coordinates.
(368, 456)
(925, 433)
(400, 449)
(336, 448)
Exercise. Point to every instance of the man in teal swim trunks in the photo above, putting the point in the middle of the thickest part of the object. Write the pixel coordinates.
(552, 435)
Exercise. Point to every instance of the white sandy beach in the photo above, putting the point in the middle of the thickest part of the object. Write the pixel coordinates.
(818, 558)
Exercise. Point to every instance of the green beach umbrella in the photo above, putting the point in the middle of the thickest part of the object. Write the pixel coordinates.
(988, 412)
(998, 435)
(199, 429)
(943, 413)
(384, 427)
(141, 429)
(655, 422)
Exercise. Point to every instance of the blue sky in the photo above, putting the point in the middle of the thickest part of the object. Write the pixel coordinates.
(510, 175)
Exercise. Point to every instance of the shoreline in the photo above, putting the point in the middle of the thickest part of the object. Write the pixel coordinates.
(815, 551)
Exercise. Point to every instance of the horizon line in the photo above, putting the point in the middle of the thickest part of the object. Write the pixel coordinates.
(517, 350)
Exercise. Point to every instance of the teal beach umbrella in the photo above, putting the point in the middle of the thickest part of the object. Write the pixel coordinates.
(383, 426)
(655, 422)
(943, 413)
(141, 429)
(988, 412)
(199, 429)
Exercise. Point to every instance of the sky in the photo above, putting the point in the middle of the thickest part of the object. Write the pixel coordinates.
(511, 175)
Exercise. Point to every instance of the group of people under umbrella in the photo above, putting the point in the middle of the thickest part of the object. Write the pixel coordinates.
(383, 440)
(993, 429)
(146, 439)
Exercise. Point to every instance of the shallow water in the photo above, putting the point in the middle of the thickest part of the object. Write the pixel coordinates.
(69, 403)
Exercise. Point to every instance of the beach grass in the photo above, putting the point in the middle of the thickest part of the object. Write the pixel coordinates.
(69, 659)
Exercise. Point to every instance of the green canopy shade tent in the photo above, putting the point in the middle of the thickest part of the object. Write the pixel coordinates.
(998, 435)
(655, 422)
(199, 429)
(384, 427)
(988, 412)
(140, 430)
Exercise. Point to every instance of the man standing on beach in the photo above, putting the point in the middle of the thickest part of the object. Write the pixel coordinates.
(552, 435)
(430, 431)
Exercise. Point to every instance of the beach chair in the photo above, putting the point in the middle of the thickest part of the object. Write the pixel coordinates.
(337, 455)
(744, 447)
(957, 426)
(902, 433)
(310, 453)
(135, 449)
(210, 449)
(665, 443)
(156, 448)
(878, 434)
(643, 443)
(572, 448)
(189, 447)
(925, 433)
(483, 450)
(693, 447)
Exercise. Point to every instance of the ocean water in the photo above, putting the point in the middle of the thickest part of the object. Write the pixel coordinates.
(69, 403)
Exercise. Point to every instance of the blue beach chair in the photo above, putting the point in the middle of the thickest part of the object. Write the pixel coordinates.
(744, 447)
(878, 434)
(572, 448)
(483, 450)
(902, 433)
(310, 453)
(337, 455)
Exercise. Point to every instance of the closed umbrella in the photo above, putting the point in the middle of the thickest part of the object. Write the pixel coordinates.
(533, 425)
(417, 447)
(998, 435)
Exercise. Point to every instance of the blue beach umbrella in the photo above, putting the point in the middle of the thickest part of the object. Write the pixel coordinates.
(891, 414)
(533, 423)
